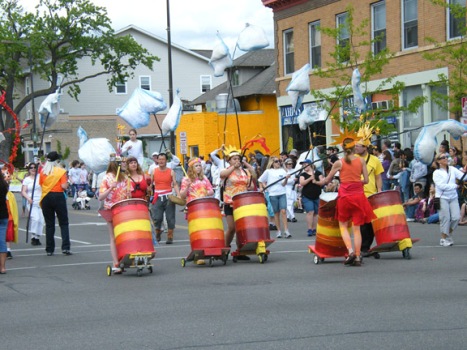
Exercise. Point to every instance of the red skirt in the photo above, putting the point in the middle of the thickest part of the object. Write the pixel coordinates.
(352, 205)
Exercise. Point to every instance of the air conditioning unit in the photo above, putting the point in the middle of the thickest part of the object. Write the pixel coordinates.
(382, 105)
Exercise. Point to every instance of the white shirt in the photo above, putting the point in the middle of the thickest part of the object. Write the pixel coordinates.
(136, 150)
(74, 175)
(445, 182)
(272, 175)
(29, 182)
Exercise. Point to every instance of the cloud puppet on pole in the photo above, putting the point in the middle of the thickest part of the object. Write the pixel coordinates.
(172, 119)
(220, 58)
(252, 38)
(137, 110)
(299, 86)
(358, 100)
(49, 110)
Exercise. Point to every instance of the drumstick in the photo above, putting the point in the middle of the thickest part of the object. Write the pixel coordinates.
(118, 173)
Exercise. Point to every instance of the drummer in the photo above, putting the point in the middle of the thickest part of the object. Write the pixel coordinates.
(115, 187)
(352, 205)
(195, 184)
(138, 181)
(236, 179)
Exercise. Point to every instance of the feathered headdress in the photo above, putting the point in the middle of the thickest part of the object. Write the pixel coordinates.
(231, 151)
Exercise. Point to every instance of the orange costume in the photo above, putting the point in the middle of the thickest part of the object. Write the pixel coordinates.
(352, 203)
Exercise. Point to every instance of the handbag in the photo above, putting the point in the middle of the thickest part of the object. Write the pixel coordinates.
(437, 203)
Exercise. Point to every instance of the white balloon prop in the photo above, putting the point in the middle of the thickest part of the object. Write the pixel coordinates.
(426, 143)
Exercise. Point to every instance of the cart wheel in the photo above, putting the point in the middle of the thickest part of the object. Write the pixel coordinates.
(261, 258)
(183, 262)
(211, 259)
(109, 270)
(377, 256)
(265, 257)
(139, 273)
(150, 269)
(316, 259)
(234, 259)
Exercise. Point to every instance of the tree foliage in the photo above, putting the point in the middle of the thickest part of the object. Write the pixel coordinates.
(357, 52)
(52, 41)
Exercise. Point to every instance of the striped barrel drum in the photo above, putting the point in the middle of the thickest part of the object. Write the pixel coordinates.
(329, 241)
(390, 224)
(132, 228)
(205, 224)
(251, 217)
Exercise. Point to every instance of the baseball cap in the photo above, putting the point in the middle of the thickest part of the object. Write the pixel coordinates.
(155, 154)
(306, 161)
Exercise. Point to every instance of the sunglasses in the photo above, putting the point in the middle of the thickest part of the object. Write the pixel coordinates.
(288, 163)
(33, 167)
(441, 158)
(276, 161)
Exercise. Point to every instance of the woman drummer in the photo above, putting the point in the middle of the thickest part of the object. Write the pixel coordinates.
(138, 181)
(195, 184)
(236, 179)
(352, 205)
(115, 187)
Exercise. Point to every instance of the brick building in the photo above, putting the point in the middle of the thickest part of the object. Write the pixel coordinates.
(403, 25)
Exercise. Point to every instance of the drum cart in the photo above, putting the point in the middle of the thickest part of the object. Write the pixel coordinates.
(329, 243)
(251, 225)
(206, 232)
(390, 226)
(133, 234)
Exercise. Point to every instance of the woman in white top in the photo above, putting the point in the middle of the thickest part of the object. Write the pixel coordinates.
(446, 189)
(134, 147)
(276, 175)
(36, 223)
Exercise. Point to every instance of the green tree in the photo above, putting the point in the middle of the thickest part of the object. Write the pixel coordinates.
(356, 51)
(452, 54)
(52, 41)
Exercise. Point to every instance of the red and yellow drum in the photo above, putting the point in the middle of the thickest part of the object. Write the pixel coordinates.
(329, 241)
(251, 217)
(391, 224)
(132, 228)
(205, 225)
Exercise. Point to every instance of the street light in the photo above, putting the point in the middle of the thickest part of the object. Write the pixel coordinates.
(171, 97)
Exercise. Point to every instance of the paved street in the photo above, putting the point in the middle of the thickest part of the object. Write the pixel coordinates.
(62, 302)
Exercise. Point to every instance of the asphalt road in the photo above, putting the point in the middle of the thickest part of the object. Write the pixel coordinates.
(68, 302)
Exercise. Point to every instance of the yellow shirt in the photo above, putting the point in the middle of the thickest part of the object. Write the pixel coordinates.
(375, 168)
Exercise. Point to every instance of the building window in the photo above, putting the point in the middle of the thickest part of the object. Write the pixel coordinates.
(206, 83)
(235, 78)
(409, 24)
(27, 86)
(145, 82)
(315, 45)
(289, 64)
(120, 88)
(378, 13)
(412, 120)
(455, 21)
(194, 151)
(439, 107)
(343, 39)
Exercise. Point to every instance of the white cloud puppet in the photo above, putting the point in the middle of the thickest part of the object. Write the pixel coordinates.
(95, 153)
(299, 86)
(252, 38)
(220, 58)
(358, 100)
(49, 109)
(426, 143)
(137, 110)
(172, 119)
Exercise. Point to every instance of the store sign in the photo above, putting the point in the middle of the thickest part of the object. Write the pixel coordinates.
(289, 115)
(183, 143)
